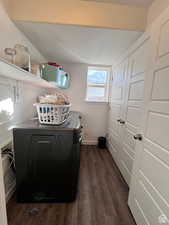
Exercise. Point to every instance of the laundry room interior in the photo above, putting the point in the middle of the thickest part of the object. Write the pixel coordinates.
(84, 112)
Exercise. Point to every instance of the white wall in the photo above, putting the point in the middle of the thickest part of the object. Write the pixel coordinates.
(10, 35)
(95, 114)
(156, 9)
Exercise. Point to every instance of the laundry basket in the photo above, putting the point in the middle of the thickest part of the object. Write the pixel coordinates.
(52, 114)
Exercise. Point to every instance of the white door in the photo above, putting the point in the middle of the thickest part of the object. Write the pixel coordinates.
(149, 193)
(116, 109)
(133, 104)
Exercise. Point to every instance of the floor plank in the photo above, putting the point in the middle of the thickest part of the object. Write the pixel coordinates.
(101, 199)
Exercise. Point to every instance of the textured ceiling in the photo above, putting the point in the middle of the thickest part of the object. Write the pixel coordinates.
(77, 44)
(145, 3)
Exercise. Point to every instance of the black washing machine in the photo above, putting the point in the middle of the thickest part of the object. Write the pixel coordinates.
(47, 160)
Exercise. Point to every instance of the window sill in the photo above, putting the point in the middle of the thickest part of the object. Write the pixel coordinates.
(88, 101)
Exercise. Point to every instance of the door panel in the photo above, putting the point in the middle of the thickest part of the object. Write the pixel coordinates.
(155, 121)
(133, 116)
(113, 116)
(129, 140)
(126, 157)
(117, 110)
(136, 91)
(117, 93)
(113, 146)
(160, 85)
(151, 163)
(139, 61)
(163, 48)
(133, 105)
(146, 203)
(149, 195)
(157, 151)
(124, 170)
(129, 150)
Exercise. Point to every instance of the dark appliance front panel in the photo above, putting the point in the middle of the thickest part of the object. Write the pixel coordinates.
(47, 164)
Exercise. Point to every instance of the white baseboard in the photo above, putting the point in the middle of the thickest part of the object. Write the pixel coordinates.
(89, 142)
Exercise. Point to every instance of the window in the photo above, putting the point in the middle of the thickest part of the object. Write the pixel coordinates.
(97, 84)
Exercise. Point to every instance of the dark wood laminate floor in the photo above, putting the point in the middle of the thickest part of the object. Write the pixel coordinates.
(101, 200)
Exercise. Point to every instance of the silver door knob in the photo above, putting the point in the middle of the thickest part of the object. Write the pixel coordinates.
(122, 122)
(138, 137)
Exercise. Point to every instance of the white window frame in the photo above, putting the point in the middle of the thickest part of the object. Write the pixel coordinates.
(106, 85)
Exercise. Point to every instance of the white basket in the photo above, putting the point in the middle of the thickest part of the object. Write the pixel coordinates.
(52, 114)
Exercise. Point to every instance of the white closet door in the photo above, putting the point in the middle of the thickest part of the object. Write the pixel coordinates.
(149, 193)
(116, 110)
(133, 104)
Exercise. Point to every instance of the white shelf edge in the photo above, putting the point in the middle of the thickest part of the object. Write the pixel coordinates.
(12, 71)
